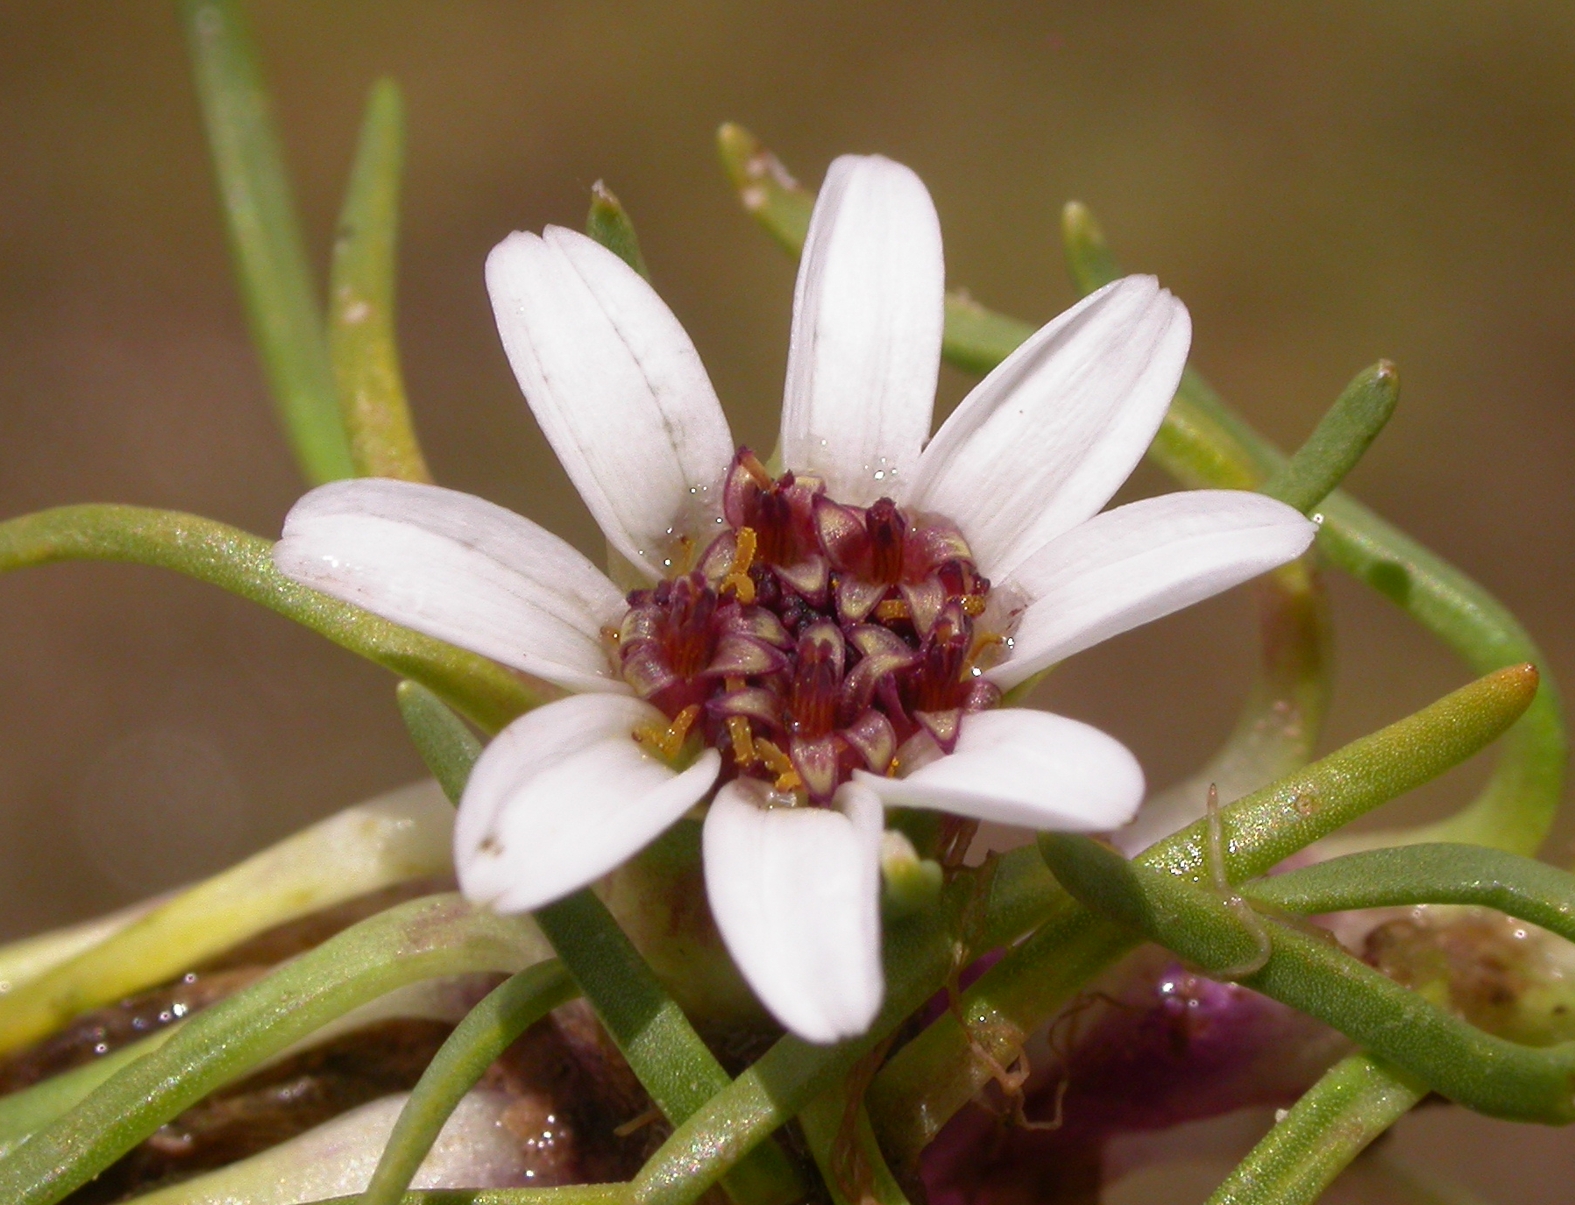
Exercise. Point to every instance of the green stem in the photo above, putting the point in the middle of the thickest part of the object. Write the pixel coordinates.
(917, 954)
(855, 1174)
(649, 1028)
(362, 343)
(1316, 976)
(654, 1036)
(1356, 1100)
(242, 563)
(440, 935)
(479, 1040)
(265, 237)
(401, 836)
(939, 1071)
(1427, 874)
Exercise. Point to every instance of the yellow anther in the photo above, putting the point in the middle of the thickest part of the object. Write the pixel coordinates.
(666, 742)
(973, 604)
(776, 761)
(789, 781)
(743, 740)
(892, 608)
(738, 579)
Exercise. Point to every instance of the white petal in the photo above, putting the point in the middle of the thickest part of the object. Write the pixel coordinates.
(1140, 561)
(563, 795)
(1045, 440)
(796, 895)
(867, 319)
(1019, 766)
(617, 388)
(460, 569)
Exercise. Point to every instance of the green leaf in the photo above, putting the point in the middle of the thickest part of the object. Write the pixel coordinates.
(917, 953)
(936, 1073)
(362, 342)
(243, 564)
(1317, 976)
(476, 1043)
(650, 1030)
(1427, 874)
(265, 237)
(1337, 443)
(1356, 1100)
(445, 744)
(610, 225)
(439, 935)
(392, 839)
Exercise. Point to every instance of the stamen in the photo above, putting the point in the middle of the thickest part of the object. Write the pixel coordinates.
(754, 468)
(780, 764)
(667, 742)
(744, 752)
(815, 638)
(738, 579)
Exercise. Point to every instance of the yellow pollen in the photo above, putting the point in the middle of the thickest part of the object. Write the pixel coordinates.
(738, 579)
(973, 605)
(743, 741)
(893, 608)
(668, 741)
(780, 764)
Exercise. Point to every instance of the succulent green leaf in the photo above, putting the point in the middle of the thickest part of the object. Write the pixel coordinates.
(265, 237)
(438, 935)
(476, 1043)
(363, 345)
(608, 222)
(1337, 443)
(1356, 1100)
(242, 563)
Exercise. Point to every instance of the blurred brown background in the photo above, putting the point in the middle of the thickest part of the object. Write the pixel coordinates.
(1323, 185)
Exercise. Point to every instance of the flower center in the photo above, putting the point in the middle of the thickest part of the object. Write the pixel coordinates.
(814, 638)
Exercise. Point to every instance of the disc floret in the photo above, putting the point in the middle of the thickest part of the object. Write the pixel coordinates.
(815, 638)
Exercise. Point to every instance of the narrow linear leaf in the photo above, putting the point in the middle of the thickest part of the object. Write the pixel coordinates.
(938, 1072)
(1356, 1101)
(1427, 874)
(650, 1030)
(265, 236)
(445, 744)
(1338, 442)
(1489, 1074)
(476, 1043)
(242, 564)
(400, 836)
(439, 935)
(362, 343)
(608, 222)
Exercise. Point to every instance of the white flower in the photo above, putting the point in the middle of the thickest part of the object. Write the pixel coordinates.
(824, 643)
